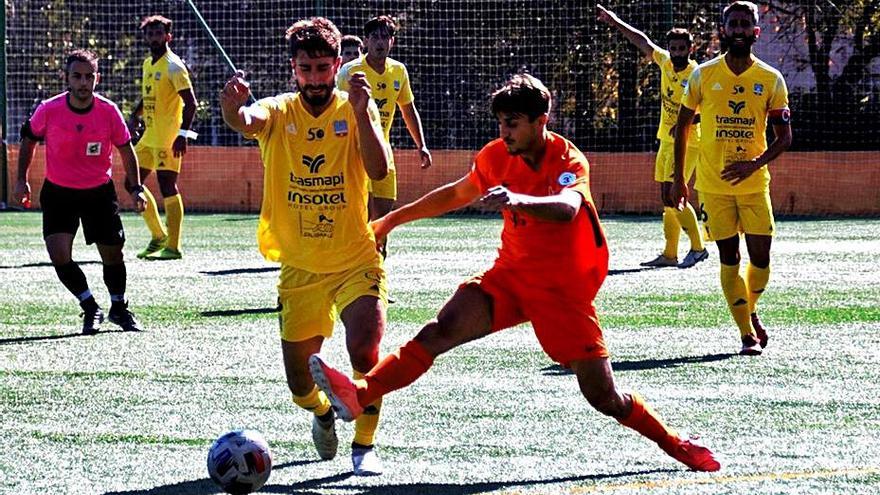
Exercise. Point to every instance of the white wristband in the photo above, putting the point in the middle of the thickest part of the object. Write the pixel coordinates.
(188, 134)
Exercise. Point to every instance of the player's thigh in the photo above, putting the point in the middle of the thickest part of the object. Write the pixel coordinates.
(361, 299)
(60, 248)
(100, 219)
(385, 188)
(466, 316)
(756, 214)
(146, 158)
(720, 215)
(60, 208)
(167, 182)
(566, 324)
(664, 163)
(307, 308)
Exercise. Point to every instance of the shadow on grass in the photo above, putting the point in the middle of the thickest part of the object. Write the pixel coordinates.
(201, 486)
(319, 485)
(236, 271)
(647, 364)
(624, 271)
(45, 264)
(239, 312)
(37, 338)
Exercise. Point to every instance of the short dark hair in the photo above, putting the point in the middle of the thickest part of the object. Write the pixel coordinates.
(317, 36)
(679, 34)
(154, 19)
(522, 94)
(86, 56)
(351, 40)
(379, 22)
(740, 6)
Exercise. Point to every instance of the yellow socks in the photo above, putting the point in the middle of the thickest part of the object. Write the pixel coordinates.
(756, 282)
(365, 425)
(688, 220)
(734, 288)
(174, 218)
(151, 217)
(671, 231)
(315, 401)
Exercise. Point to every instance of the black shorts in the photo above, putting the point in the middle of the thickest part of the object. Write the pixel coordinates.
(97, 208)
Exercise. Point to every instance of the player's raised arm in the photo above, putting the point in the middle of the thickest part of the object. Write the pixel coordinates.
(636, 37)
(444, 199)
(373, 149)
(241, 118)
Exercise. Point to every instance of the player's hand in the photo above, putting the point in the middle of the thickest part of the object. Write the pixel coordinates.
(426, 158)
(605, 15)
(737, 172)
(235, 93)
(679, 193)
(499, 197)
(22, 193)
(359, 92)
(139, 200)
(381, 227)
(179, 146)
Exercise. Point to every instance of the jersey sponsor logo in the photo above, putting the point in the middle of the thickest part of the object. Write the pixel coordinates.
(340, 128)
(313, 163)
(738, 90)
(717, 87)
(381, 102)
(323, 227)
(320, 181)
(316, 199)
(396, 85)
(148, 88)
(758, 89)
(670, 92)
(93, 149)
(736, 106)
(315, 133)
(566, 179)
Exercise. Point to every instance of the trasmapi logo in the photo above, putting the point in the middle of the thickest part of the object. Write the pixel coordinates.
(313, 163)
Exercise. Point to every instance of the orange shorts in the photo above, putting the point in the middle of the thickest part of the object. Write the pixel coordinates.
(563, 316)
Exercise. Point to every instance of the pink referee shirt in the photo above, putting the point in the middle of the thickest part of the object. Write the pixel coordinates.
(79, 143)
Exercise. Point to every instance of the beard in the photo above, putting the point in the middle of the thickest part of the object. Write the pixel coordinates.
(679, 61)
(318, 100)
(743, 49)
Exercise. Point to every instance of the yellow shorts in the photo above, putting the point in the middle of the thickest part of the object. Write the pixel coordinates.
(385, 188)
(726, 215)
(310, 302)
(157, 158)
(664, 165)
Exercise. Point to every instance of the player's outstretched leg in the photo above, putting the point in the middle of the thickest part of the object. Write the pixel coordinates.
(596, 381)
(340, 389)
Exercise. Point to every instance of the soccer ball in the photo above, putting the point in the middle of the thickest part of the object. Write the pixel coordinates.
(239, 461)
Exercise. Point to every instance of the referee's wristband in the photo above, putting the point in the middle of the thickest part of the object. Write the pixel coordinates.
(188, 134)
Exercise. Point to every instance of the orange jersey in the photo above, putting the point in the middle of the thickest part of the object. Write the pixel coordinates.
(554, 251)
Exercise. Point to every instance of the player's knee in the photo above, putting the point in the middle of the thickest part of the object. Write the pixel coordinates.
(435, 337)
(363, 357)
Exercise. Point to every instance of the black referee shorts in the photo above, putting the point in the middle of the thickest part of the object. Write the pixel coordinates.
(97, 208)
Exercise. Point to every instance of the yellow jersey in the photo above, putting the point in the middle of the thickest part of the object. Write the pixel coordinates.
(314, 209)
(734, 110)
(390, 88)
(672, 84)
(161, 83)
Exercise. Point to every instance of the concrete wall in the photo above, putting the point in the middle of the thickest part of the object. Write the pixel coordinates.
(816, 183)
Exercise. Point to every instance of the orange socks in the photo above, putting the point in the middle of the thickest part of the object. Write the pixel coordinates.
(395, 371)
(644, 420)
